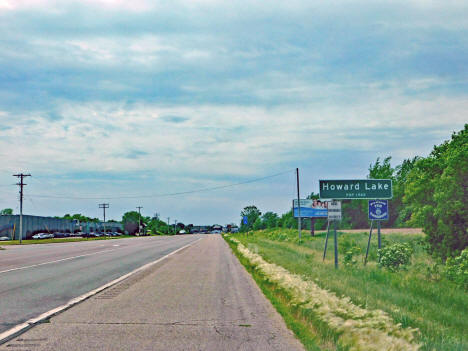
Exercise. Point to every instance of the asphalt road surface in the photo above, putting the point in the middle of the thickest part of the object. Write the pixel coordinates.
(37, 278)
(200, 298)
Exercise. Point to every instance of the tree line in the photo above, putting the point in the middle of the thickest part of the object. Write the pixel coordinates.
(428, 192)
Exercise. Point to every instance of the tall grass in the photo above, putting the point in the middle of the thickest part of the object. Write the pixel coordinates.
(416, 298)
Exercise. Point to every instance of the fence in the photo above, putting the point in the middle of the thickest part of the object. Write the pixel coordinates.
(9, 226)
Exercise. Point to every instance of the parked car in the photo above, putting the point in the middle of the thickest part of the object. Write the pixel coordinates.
(4, 238)
(42, 236)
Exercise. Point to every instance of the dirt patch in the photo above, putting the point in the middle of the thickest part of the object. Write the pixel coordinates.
(385, 230)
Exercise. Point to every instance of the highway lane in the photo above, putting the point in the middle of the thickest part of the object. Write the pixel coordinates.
(200, 298)
(37, 278)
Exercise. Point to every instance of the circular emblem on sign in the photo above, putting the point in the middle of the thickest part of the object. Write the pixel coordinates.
(378, 212)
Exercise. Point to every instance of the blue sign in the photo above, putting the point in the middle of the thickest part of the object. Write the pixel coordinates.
(311, 212)
(378, 210)
(311, 208)
(245, 220)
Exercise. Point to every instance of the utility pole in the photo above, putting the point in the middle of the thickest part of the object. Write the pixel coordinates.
(175, 224)
(298, 205)
(21, 176)
(139, 220)
(104, 206)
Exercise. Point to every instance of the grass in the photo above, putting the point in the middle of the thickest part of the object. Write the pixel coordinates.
(416, 298)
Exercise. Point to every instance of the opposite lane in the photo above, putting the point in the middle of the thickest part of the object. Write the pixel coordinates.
(45, 284)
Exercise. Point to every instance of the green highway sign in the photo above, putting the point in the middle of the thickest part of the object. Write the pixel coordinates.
(356, 189)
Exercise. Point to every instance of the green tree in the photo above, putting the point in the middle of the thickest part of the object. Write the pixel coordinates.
(398, 211)
(258, 224)
(6, 211)
(287, 220)
(79, 217)
(130, 221)
(437, 193)
(252, 213)
(270, 220)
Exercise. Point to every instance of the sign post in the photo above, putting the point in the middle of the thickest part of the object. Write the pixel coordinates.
(334, 215)
(378, 211)
(348, 189)
(326, 241)
(368, 242)
(299, 225)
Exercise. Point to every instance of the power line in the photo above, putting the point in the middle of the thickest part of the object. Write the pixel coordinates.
(164, 194)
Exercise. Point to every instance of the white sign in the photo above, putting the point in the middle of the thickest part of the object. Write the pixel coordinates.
(334, 211)
(310, 208)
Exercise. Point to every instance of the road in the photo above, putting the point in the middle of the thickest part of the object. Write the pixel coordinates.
(200, 298)
(37, 278)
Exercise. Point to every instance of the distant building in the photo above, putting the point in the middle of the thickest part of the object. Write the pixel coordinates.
(9, 226)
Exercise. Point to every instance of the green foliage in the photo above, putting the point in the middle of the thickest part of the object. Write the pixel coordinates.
(349, 258)
(130, 221)
(270, 220)
(252, 213)
(130, 217)
(156, 226)
(80, 217)
(382, 170)
(395, 257)
(456, 269)
(287, 220)
(258, 224)
(349, 249)
(437, 195)
(6, 211)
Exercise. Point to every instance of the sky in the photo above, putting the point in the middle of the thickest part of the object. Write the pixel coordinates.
(128, 102)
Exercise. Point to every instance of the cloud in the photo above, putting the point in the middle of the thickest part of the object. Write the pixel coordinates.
(174, 119)
(188, 94)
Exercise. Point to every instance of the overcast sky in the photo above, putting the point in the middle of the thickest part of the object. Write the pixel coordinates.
(119, 101)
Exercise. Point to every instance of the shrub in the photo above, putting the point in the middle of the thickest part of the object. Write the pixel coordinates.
(456, 269)
(349, 258)
(395, 257)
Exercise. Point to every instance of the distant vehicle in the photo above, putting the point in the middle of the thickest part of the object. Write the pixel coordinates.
(216, 231)
(61, 235)
(234, 229)
(42, 236)
(91, 235)
(4, 238)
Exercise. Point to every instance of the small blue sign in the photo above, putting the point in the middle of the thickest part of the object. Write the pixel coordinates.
(378, 210)
(245, 220)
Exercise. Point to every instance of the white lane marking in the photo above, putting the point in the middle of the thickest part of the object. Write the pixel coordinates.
(18, 328)
(115, 245)
(63, 259)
